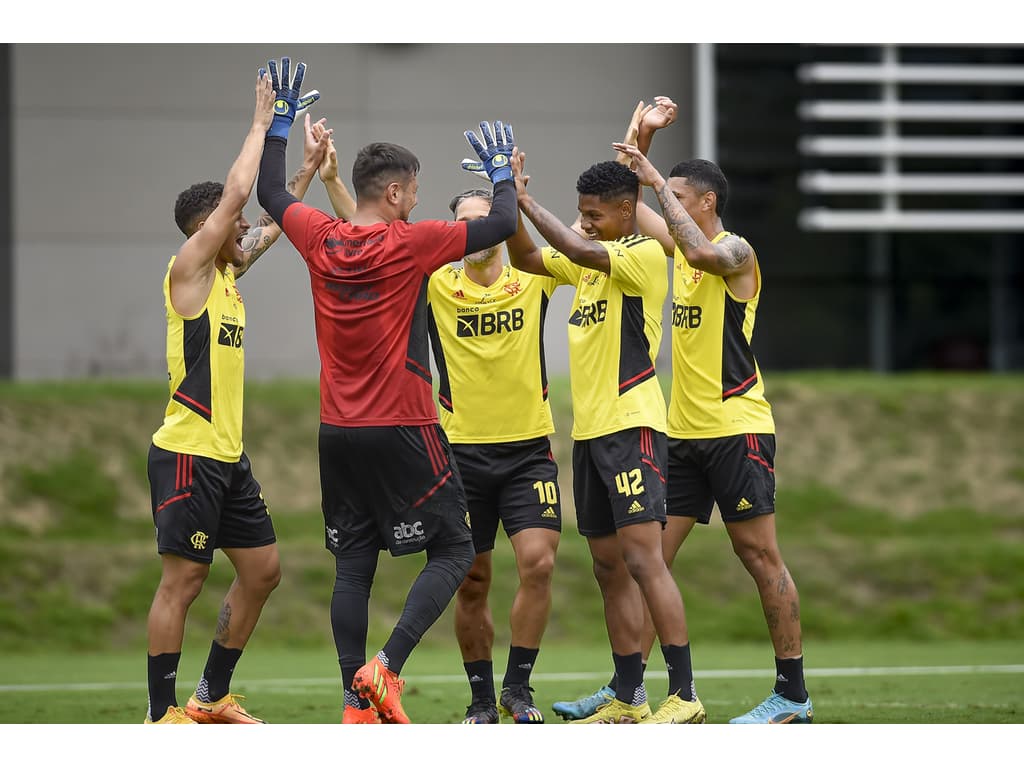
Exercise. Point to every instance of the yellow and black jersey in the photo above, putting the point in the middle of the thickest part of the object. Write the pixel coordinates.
(206, 367)
(488, 343)
(614, 335)
(717, 389)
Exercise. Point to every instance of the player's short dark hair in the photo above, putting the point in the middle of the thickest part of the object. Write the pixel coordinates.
(704, 176)
(484, 194)
(196, 203)
(609, 180)
(378, 165)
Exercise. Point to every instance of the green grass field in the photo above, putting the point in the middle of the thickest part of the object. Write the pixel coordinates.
(863, 682)
(900, 514)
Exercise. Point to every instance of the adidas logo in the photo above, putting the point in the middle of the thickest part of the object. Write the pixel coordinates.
(635, 507)
(526, 666)
(549, 512)
(476, 679)
(744, 505)
(170, 675)
(781, 679)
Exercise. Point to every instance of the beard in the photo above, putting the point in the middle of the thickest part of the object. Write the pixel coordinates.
(480, 258)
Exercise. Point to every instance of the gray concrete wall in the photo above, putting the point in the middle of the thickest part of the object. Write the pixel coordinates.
(106, 136)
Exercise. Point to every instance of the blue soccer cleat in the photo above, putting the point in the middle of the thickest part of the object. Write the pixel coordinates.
(585, 707)
(776, 710)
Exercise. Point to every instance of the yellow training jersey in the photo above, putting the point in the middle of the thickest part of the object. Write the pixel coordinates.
(614, 335)
(488, 344)
(717, 389)
(205, 364)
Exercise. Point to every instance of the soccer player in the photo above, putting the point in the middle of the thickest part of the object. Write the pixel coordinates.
(386, 472)
(203, 490)
(487, 325)
(618, 432)
(721, 428)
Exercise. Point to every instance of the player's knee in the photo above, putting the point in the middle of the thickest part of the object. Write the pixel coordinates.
(477, 584)
(183, 586)
(757, 557)
(537, 568)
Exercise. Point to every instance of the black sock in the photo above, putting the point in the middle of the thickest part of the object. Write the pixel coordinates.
(630, 674)
(162, 673)
(348, 672)
(481, 679)
(216, 681)
(520, 665)
(397, 650)
(614, 682)
(680, 671)
(789, 679)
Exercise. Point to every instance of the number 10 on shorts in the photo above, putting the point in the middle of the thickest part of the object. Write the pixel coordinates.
(546, 491)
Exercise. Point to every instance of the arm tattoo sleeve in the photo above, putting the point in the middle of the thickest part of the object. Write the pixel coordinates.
(684, 230)
(733, 253)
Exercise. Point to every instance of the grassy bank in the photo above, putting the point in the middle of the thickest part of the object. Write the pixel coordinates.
(901, 515)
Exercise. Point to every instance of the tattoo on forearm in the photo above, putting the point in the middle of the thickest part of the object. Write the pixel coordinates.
(293, 182)
(265, 220)
(681, 226)
(223, 625)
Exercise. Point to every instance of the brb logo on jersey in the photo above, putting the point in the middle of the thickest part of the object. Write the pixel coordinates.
(590, 314)
(230, 335)
(685, 316)
(472, 322)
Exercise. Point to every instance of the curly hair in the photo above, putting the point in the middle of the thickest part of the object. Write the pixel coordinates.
(608, 180)
(195, 203)
(704, 176)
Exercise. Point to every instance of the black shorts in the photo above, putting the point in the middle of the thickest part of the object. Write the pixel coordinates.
(392, 488)
(202, 504)
(736, 472)
(515, 483)
(618, 480)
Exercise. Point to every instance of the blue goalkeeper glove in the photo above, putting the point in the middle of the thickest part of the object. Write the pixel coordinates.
(494, 154)
(288, 103)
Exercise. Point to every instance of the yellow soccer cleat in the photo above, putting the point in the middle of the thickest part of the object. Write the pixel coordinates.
(617, 712)
(173, 716)
(225, 710)
(678, 711)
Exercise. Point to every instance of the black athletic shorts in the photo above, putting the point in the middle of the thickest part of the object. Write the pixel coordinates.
(515, 483)
(393, 488)
(202, 504)
(736, 472)
(618, 480)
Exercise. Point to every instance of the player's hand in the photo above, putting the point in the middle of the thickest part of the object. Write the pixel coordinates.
(315, 146)
(476, 167)
(645, 170)
(662, 115)
(288, 102)
(495, 151)
(329, 165)
(264, 102)
(518, 164)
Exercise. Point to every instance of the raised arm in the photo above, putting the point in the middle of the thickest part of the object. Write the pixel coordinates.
(646, 120)
(271, 191)
(579, 250)
(494, 153)
(341, 199)
(193, 269)
(266, 232)
(730, 256)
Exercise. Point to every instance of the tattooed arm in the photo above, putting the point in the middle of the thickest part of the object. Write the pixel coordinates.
(258, 239)
(730, 256)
